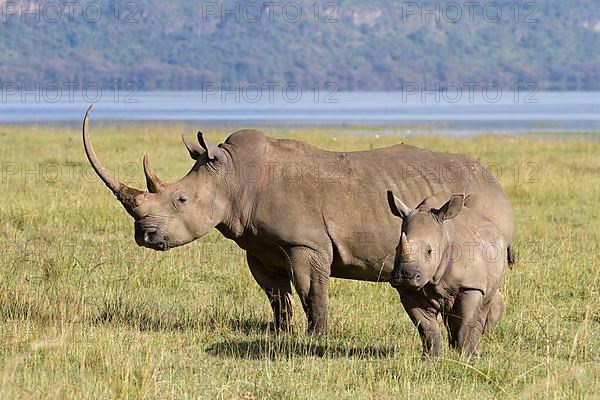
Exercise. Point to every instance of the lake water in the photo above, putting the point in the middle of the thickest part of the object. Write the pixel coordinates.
(447, 113)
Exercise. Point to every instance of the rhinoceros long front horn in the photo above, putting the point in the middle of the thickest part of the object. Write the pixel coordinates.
(126, 195)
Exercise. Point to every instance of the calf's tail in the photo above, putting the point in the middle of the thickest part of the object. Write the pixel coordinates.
(511, 257)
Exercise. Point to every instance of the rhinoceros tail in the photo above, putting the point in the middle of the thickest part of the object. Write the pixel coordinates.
(510, 255)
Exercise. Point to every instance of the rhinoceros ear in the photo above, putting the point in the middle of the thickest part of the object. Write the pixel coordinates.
(193, 148)
(451, 208)
(214, 152)
(398, 208)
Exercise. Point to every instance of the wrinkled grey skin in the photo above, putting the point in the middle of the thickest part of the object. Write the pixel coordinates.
(301, 214)
(450, 260)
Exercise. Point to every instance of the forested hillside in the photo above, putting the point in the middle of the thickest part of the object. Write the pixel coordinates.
(357, 45)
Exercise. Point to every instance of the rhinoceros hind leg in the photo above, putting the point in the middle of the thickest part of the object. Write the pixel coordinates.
(278, 289)
(496, 309)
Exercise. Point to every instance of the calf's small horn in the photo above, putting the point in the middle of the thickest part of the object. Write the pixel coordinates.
(405, 247)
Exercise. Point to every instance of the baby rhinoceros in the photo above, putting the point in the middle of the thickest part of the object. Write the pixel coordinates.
(450, 260)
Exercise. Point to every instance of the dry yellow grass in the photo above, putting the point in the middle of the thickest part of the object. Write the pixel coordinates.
(85, 313)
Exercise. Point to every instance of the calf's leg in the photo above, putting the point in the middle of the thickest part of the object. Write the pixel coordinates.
(425, 319)
(276, 285)
(496, 309)
(465, 322)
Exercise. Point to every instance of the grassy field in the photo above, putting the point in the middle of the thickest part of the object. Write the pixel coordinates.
(85, 313)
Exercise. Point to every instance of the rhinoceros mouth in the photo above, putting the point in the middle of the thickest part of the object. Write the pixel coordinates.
(162, 246)
(151, 239)
(159, 246)
(406, 278)
(407, 283)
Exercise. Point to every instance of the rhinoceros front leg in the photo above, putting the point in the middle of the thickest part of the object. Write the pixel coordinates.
(276, 285)
(466, 320)
(424, 317)
(310, 275)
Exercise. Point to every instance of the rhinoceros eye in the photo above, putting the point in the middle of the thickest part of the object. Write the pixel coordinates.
(428, 251)
(181, 199)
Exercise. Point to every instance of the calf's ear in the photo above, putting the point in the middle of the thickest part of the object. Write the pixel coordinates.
(451, 208)
(398, 208)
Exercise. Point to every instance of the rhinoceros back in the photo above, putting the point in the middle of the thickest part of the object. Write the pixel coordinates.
(336, 201)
